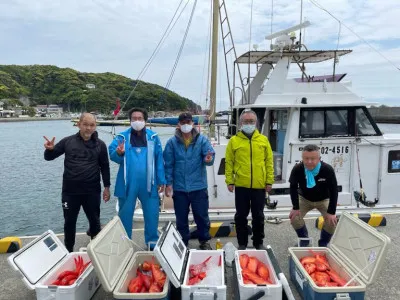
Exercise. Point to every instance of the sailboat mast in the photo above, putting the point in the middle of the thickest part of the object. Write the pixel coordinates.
(214, 63)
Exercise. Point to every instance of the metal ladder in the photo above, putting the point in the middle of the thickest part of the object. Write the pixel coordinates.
(223, 19)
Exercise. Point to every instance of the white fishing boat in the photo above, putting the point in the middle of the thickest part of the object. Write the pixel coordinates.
(293, 113)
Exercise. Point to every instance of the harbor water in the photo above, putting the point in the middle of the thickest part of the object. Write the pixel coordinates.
(30, 187)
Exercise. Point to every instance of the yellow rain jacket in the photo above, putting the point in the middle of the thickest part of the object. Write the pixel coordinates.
(249, 163)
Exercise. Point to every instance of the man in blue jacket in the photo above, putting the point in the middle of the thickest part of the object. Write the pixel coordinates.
(186, 156)
(141, 175)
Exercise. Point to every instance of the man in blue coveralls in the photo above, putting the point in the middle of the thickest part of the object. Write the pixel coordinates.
(186, 156)
(138, 152)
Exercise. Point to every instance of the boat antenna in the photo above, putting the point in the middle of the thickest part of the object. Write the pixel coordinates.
(272, 18)
(248, 70)
(301, 20)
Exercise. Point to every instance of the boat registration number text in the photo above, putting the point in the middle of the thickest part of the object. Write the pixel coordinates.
(333, 149)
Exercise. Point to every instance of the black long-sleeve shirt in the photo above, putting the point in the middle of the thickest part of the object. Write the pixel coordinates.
(83, 163)
(325, 186)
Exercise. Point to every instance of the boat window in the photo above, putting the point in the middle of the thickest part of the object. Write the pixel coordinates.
(337, 122)
(312, 123)
(363, 123)
(394, 161)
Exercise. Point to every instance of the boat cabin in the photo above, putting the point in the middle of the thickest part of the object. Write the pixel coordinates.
(295, 112)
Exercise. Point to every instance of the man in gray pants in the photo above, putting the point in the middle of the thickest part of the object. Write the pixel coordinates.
(313, 185)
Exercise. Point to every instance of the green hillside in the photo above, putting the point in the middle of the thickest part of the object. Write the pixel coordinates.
(44, 84)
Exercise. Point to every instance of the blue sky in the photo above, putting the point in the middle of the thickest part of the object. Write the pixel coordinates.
(120, 35)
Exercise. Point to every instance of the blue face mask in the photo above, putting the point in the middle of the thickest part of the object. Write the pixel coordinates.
(248, 128)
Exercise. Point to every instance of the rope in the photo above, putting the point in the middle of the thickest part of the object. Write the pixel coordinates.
(357, 35)
(182, 45)
(338, 37)
(176, 20)
(150, 60)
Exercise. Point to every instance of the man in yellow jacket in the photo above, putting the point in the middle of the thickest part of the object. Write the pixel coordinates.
(249, 171)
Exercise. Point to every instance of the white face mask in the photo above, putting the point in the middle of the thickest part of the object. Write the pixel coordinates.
(186, 128)
(138, 125)
(248, 128)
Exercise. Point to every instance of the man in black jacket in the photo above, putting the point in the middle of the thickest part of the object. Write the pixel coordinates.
(86, 156)
(313, 185)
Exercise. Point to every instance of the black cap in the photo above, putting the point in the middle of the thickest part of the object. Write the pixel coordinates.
(185, 117)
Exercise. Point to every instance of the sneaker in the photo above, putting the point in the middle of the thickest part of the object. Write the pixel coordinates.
(242, 247)
(205, 246)
(260, 247)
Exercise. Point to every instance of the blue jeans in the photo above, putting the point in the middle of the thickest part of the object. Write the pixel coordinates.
(198, 200)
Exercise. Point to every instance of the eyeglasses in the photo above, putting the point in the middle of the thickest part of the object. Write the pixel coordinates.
(249, 122)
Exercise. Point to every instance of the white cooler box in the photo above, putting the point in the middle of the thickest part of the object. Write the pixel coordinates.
(43, 259)
(176, 259)
(272, 291)
(357, 251)
(116, 263)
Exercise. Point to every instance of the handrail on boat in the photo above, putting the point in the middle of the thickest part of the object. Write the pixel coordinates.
(233, 99)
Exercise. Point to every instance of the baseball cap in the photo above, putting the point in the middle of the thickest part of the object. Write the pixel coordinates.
(185, 117)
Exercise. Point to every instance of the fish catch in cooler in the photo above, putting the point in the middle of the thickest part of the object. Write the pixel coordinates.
(253, 270)
(317, 266)
(150, 278)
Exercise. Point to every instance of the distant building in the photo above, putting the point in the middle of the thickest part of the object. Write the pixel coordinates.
(54, 109)
(5, 113)
(49, 110)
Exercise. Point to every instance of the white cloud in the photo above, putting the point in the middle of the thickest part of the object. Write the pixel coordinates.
(120, 35)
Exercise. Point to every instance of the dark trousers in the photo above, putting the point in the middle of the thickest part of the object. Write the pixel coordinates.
(246, 199)
(71, 205)
(198, 200)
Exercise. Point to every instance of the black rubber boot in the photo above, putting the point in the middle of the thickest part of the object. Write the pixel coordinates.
(303, 233)
(324, 239)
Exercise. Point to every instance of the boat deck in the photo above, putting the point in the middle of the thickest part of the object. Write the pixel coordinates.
(279, 236)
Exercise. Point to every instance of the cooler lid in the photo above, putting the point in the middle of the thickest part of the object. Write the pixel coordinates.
(38, 258)
(171, 253)
(360, 246)
(110, 253)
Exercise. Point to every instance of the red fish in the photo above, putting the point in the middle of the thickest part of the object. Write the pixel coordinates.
(159, 276)
(147, 279)
(310, 268)
(307, 260)
(199, 268)
(146, 266)
(336, 278)
(322, 276)
(243, 260)
(194, 280)
(252, 264)
(247, 274)
(155, 288)
(263, 271)
(135, 285)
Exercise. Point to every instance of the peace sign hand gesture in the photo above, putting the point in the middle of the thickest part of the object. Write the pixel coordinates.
(121, 148)
(209, 157)
(49, 145)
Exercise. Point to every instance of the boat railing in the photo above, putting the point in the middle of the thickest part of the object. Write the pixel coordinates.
(232, 95)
